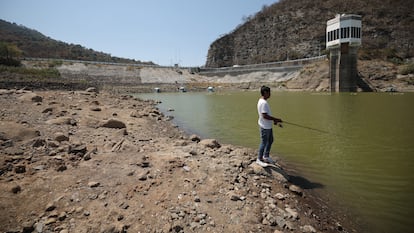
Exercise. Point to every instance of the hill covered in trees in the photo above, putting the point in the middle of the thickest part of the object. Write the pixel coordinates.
(32, 43)
(292, 29)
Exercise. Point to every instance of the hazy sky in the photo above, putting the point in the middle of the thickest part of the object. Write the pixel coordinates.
(163, 31)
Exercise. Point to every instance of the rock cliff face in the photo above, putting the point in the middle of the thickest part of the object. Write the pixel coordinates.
(292, 29)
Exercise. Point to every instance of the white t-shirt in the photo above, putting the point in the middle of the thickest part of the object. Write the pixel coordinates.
(263, 107)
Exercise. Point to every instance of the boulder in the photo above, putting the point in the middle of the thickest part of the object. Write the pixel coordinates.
(62, 121)
(255, 168)
(33, 97)
(93, 184)
(78, 149)
(210, 143)
(92, 89)
(195, 138)
(60, 137)
(113, 123)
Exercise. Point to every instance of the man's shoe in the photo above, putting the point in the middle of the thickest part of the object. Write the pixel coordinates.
(268, 160)
(261, 163)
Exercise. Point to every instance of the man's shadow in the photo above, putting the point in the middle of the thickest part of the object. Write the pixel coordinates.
(304, 183)
(299, 181)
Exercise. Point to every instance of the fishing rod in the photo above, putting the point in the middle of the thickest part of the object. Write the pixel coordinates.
(309, 128)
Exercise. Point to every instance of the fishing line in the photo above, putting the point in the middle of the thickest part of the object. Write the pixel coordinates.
(314, 129)
(338, 135)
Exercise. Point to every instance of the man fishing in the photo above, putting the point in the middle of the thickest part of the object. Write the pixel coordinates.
(266, 121)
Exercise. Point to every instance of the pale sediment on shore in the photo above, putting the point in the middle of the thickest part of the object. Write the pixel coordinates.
(97, 162)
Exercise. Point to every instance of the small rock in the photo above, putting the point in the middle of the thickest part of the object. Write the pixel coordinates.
(28, 227)
(39, 226)
(235, 197)
(265, 185)
(53, 144)
(145, 164)
(92, 89)
(177, 228)
(38, 142)
(296, 189)
(16, 189)
(20, 169)
(280, 196)
(308, 229)
(291, 213)
(143, 176)
(255, 168)
(210, 143)
(124, 205)
(50, 207)
(50, 221)
(62, 216)
(39, 168)
(62, 121)
(79, 209)
(61, 168)
(195, 138)
(281, 222)
(87, 156)
(339, 226)
(95, 109)
(78, 149)
(186, 168)
(290, 226)
(93, 184)
(49, 109)
(180, 143)
(60, 137)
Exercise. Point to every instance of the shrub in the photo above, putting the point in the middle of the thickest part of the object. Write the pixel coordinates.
(55, 63)
(407, 69)
(10, 62)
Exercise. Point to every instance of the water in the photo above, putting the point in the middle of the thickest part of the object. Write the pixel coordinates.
(363, 158)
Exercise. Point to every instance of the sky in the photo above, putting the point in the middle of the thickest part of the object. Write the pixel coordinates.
(166, 32)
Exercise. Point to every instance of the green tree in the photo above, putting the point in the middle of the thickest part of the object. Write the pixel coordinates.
(9, 54)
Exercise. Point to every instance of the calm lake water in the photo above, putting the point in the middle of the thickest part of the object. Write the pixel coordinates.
(364, 158)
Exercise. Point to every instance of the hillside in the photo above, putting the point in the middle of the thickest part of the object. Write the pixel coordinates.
(34, 44)
(292, 29)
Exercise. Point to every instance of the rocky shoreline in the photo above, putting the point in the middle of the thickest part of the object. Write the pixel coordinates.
(83, 161)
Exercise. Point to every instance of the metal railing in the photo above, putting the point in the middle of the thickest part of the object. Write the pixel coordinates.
(265, 66)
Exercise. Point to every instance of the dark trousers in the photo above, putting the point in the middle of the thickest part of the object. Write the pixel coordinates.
(266, 140)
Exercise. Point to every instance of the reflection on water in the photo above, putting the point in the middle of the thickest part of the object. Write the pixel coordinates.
(363, 157)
